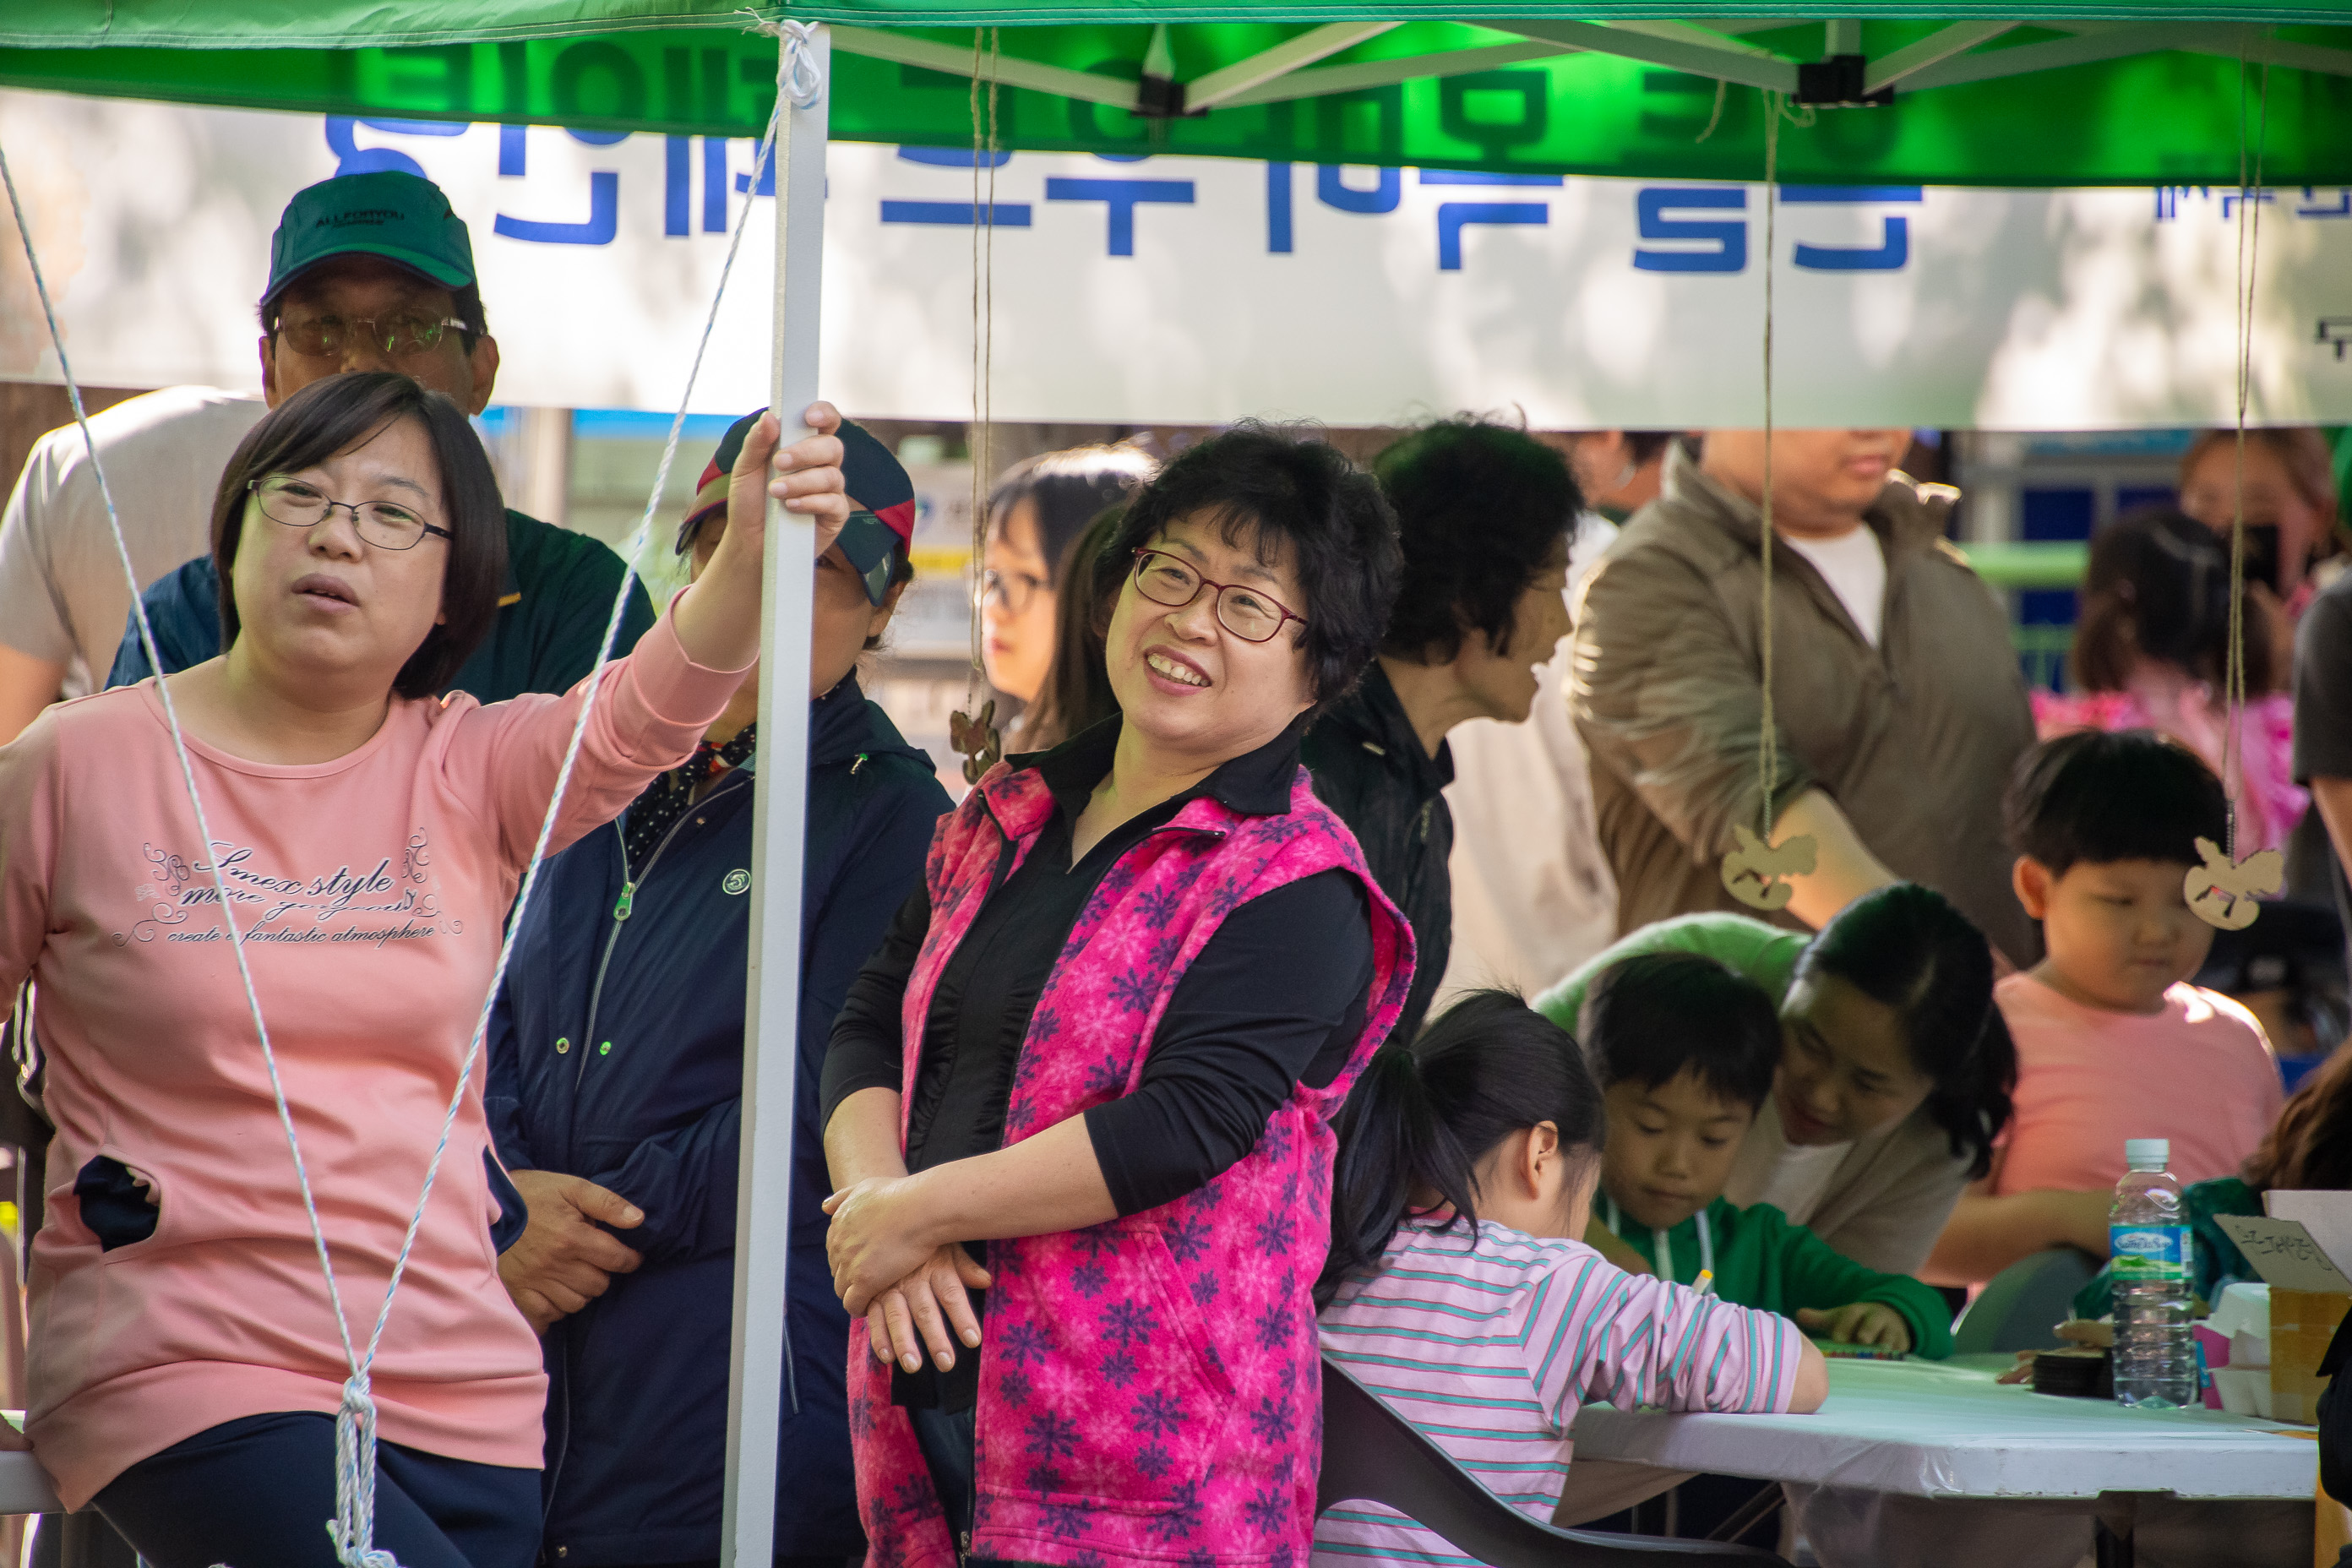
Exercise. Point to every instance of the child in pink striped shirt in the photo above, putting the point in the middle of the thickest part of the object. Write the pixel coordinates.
(1456, 1291)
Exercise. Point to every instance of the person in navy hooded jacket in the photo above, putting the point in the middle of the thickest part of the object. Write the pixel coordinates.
(615, 1092)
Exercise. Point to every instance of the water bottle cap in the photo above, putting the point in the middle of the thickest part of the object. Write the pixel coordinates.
(2148, 1153)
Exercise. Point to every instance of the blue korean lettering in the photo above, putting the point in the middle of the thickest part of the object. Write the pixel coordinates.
(767, 176)
(714, 184)
(677, 179)
(603, 220)
(1332, 190)
(2236, 197)
(1454, 217)
(1652, 208)
(354, 159)
(1893, 247)
(1278, 209)
(2343, 207)
(958, 215)
(513, 152)
(1122, 197)
(1480, 178)
(955, 157)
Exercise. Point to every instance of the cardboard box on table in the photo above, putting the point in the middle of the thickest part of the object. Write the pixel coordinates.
(2297, 1250)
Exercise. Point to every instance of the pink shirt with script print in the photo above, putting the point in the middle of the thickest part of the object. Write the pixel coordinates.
(372, 890)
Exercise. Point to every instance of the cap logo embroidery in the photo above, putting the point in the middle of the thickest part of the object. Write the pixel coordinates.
(736, 882)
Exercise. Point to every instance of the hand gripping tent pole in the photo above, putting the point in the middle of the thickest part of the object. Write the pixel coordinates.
(761, 1377)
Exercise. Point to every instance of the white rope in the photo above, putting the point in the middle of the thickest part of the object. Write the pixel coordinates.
(802, 78)
(353, 1528)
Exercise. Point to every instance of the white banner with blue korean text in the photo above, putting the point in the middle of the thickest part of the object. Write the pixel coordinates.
(1195, 291)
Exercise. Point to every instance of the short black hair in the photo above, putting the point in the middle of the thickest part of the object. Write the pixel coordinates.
(1271, 486)
(1482, 510)
(2102, 796)
(1654, 1016)
(2158, 587)
(337, 412)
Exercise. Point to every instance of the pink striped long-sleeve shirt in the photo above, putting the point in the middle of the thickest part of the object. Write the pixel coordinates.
(1489, 1352)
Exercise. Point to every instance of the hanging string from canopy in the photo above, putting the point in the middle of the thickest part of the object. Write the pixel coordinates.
(2223, 889)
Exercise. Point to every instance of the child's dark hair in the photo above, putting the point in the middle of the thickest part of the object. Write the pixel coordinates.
(2158, 587)
(2101, 796)
(1909, 948)
(1652, 1017)
(1424, 1115)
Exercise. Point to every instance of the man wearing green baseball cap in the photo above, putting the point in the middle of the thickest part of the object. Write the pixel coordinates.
(375, 272)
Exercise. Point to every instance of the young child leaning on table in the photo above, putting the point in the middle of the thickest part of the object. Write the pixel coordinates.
(1684, 1048)
(1456, 1292)
(2112, 1040)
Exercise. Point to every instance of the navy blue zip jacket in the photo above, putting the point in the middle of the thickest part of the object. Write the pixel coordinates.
(617, 1055)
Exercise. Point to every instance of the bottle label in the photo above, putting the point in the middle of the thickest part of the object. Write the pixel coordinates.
(2147, 1253)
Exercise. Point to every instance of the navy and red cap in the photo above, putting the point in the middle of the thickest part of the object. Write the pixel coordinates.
(881, 496)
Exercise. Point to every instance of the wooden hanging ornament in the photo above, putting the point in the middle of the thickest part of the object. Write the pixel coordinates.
(1756, 872)
(977, 739)
(2223, 890)
(973, 730)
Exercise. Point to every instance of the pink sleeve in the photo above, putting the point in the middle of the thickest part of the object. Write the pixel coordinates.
(651, 710)
(1601, 1333)
(28, 839)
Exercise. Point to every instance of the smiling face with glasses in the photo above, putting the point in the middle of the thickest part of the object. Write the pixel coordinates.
(1204, 649)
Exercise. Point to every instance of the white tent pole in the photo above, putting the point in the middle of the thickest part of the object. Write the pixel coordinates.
(759, 1382)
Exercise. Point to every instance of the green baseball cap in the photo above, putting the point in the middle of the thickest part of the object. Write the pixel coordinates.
(402, 217)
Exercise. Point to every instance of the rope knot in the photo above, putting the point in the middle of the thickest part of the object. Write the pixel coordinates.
(803, 79)
(353, 1530)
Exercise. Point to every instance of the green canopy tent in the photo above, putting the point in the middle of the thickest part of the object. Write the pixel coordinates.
(2084, 94)
(1956, 92)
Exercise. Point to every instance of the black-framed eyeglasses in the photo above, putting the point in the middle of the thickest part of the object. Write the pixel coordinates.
(400, 337)
(1252, 615)
(1014, 589)
(386, 525)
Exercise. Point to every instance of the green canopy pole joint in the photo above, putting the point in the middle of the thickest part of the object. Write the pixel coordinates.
(760, 1377)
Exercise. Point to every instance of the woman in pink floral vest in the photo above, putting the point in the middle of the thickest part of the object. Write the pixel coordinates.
(1079, 1106)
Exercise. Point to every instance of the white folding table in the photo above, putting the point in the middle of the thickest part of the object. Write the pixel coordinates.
(1948, 1431)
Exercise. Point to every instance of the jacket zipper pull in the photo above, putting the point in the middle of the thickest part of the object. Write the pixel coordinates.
(857, 764)
(628, 896)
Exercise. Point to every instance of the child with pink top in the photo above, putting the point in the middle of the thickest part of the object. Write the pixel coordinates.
(2112, 1040)
(186, 1364)
(1457, 1291)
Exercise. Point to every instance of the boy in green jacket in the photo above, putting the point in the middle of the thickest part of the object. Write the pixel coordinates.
(1684, 1048)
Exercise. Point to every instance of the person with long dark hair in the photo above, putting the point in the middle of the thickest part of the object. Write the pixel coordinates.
(1077, 690)
(2151, 651)
(369, 836)
(1895, 1068)
(1036, 512)
(1467, 1165)
(1092, 1069)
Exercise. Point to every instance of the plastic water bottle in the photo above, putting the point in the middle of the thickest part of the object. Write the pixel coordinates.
(2156, 1353)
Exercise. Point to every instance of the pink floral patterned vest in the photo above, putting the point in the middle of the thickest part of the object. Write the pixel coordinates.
(1150, 1392)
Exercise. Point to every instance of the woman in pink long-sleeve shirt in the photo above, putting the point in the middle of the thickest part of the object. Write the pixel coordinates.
(372, 838)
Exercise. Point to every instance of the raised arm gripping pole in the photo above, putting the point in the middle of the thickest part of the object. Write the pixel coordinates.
(760, 1365)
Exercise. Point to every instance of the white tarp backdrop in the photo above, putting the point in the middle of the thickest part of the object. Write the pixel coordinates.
(1185, 290)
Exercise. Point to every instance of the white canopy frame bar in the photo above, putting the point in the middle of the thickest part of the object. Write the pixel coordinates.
(1942, 45)
(1218, 85)
(1950, 56)
(1742, 64)
(759, 1379)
